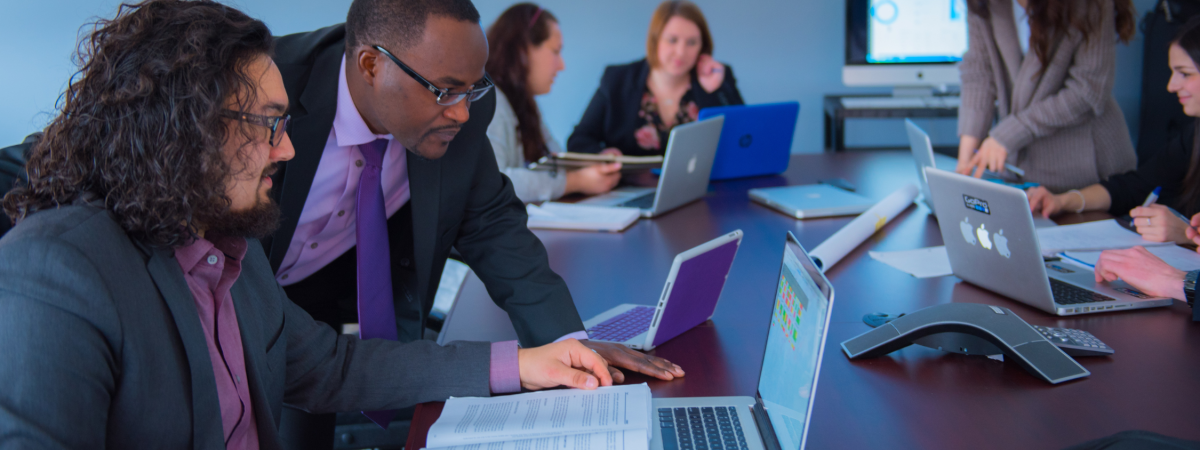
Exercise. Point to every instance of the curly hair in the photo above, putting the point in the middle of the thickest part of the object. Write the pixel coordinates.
(509, 38)
(140, 123)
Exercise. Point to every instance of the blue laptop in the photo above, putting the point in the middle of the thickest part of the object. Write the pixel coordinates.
(756, 139)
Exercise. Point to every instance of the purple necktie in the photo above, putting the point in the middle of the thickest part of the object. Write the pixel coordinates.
(376, 314)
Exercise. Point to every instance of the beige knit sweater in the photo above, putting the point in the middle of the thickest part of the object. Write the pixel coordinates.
(1064, 127)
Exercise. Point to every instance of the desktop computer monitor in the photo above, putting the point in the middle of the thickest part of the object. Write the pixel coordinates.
(904, 43)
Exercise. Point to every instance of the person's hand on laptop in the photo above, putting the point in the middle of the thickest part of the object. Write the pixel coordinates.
(621, 356)
(1142, 270)
(566, 363)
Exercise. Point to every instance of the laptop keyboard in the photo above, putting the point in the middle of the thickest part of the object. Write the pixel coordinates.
(624, 326)
(1068, 294)
(701, 428)
(643, 202)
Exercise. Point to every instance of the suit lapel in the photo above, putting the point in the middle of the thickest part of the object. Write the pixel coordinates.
(424, 182)
(252, 344)
(313, 111)
(206, 408)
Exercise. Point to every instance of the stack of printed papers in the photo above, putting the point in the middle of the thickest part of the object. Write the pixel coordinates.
(608, 418)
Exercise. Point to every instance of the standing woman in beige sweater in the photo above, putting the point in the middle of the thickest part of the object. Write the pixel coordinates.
(1043, 70)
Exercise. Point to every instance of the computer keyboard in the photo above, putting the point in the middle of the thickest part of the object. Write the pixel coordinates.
(643, 202)
(701, 428)
(1075, 342)
(1067, 294)
(624, 326)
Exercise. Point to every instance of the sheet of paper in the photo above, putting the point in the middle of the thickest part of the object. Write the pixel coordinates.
(566, 216)
(1098, 235)
(1178, 257)
(921, 263)
(612, 440)
(475, 420)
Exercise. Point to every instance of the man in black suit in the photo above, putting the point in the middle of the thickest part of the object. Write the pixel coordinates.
(412, 73)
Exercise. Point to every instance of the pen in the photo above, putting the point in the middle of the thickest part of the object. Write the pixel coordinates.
(1153, 197)
(1015, 169)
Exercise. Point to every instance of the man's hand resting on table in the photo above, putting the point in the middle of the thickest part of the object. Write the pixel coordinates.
(621, 356)
(566, 363)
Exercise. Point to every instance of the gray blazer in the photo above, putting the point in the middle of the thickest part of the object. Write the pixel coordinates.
(103, 347)
(1064, 127)
(530, 185)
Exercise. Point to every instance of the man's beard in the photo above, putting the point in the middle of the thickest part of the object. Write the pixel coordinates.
(257, 222)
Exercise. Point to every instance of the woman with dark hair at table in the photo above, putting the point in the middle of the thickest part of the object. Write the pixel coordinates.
(639, 103)
(1175, 169)
(1044, 69)
(525, 56)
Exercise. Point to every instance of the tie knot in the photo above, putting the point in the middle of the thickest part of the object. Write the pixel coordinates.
(373, 151)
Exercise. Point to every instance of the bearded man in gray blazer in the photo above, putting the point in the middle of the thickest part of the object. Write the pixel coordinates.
(132, 314)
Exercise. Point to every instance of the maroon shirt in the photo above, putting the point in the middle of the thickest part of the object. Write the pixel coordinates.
(210, 268)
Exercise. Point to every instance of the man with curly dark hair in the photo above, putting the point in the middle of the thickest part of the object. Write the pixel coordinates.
(133, 312)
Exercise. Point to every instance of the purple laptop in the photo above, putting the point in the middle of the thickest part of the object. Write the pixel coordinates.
(688, 299)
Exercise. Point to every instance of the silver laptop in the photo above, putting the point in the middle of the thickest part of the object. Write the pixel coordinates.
(922, 150)
(777, 417)
(687, 165)
(688, 299)
(811, 200)
(990, 239)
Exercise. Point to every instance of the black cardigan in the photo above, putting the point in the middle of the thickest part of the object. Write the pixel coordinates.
(1165, 168)
(612, 117)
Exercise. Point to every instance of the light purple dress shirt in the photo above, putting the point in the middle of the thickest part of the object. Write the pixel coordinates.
(210, 268)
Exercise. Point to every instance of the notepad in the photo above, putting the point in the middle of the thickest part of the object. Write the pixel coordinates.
(921, 263)
(569, 216)
(1090, 236)
(568, 160)
(609, 418)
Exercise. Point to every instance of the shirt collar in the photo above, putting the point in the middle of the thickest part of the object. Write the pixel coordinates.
(348, 125)
(191, 254)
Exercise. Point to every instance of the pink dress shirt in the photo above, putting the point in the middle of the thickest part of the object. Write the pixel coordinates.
(326, 227)
(210, 268)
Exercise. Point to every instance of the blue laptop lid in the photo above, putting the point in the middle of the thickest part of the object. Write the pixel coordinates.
(755, 140)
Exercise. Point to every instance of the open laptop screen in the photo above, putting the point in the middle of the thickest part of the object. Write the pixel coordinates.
(794, 345)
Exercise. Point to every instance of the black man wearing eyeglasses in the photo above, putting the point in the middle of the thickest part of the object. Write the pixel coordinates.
(398, 94)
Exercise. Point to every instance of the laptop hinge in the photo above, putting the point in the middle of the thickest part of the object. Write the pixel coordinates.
(770, 442)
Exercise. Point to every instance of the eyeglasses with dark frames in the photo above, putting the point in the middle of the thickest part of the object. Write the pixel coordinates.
(277, 124)
(444, 96)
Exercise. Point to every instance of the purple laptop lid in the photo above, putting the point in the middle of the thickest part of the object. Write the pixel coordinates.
(697, 287)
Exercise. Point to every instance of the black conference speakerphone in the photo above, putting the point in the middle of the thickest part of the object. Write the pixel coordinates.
(970, 329)
(1071, 341)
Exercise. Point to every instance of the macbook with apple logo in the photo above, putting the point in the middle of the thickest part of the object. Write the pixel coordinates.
(991, 241)
(687, 165)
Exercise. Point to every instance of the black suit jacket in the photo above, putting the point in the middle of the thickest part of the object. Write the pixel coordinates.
(460, 200)
(612, 117)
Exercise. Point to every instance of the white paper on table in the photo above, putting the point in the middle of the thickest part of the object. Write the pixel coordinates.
(477, 420)
(569, 216)
(1088, 236)
(611, 440)
(1174, 255)
(836, 247)
(921, 263)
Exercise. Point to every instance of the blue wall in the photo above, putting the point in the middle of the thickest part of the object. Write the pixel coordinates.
(779, 50)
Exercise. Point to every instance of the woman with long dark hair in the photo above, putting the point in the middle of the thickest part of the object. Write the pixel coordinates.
(526, 46)
(1043, 70)
(639, 103)
(1176, 169)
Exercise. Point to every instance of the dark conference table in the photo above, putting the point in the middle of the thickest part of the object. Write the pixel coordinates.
(912, 398)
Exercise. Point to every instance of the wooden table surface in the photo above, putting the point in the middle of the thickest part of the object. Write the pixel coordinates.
(912, 398)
